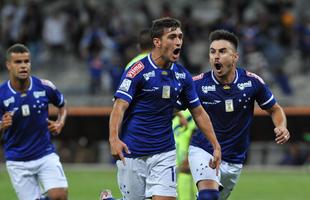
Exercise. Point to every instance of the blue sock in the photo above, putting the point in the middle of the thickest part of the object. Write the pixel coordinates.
(208, 194)
(44, 198)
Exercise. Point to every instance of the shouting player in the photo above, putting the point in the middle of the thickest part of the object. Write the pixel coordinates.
(141, 133)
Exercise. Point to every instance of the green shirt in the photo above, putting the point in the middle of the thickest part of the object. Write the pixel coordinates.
(135, 59)
(182, 135)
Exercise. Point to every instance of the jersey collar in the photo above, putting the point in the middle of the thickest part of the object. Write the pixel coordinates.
(13, 91)
(216, 81)
(153, 64)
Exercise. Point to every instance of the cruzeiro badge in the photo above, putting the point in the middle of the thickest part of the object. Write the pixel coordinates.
(166, 92)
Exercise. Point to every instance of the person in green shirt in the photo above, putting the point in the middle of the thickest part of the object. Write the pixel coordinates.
(145, 45)
(183, 126)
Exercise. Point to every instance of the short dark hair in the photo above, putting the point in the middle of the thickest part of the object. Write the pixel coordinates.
(224, 35)
(145, 40)
(159, 25)
(16, 48)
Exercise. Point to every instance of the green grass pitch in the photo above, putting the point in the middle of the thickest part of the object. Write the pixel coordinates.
(85, 183)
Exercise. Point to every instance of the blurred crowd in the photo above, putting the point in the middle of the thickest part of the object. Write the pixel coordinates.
(103, 33)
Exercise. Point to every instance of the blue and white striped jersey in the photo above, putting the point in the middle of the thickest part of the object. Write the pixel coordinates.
(231, 107)
(152, 93)
(28, 138)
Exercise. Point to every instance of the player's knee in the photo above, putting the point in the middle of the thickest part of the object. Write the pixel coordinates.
(209, 194)
(58, 194)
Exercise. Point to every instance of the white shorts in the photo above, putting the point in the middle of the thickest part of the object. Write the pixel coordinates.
(28, 177)
(147, 176)
(230, 174)
(199, 165)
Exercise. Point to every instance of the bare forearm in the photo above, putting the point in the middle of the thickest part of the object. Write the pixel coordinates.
(115, 123)
(278, 116)
(116, 118)
(204, 124)
(62, 115)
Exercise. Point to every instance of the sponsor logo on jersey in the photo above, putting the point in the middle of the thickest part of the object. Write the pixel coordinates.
(148, 75)
(206, 89)
(251, 74)
(150, 90)
(125, 85)
(134, 70)
(8, 101)
(180, 75)
(211, 103)
(198, 77)
(242, 86)
(38, 94)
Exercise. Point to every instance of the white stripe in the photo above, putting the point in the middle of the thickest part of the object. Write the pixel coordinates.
(154, 65)
(150, 60)
(212, 75)
(237, 76)
(192, 101)
(267, 101)
(119, 91)
(30, 87)
(61, 100)
(12, 90)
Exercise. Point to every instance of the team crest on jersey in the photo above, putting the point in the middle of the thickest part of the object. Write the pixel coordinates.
(125, 85)
(206, 89)
(134, 70)
(242, 86)
(38, 94)
(251, 74)
(48, 83)
(8, 101)
(180, 75)
(148, 75)
(198, 77)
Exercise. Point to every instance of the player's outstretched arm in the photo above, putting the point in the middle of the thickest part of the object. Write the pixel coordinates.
(55, 127)
(116, 118)
(204, 124)
(279, 120)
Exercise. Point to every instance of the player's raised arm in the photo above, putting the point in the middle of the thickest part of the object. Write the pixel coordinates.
(116, 118)
(203, 122)
(279, 120)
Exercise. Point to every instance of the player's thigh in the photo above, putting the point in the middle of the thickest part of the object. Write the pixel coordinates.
(51, 174)
(23, 180)
(161, 179)
(131, 178)
(230, 174)
(199, 165)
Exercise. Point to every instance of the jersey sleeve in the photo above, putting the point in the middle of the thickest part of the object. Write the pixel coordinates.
(54, 95)
(188, 97)
(264, 96)
(129, 82)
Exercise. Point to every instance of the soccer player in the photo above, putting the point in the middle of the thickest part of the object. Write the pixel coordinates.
(228, 94)
(141, 135)
(183, 127)
(31, 160)
(145, 45)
